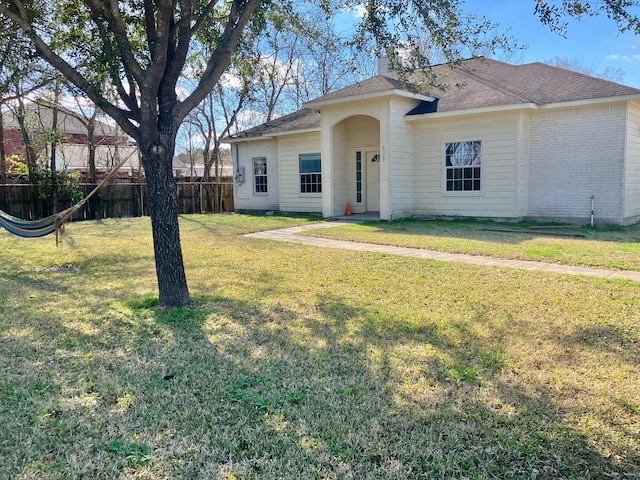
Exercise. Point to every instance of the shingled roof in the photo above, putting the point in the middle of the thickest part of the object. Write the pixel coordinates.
(476, 83)
(301, 120)
(481, 83)
(377, 84)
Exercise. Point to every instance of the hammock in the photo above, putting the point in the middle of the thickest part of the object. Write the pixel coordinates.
(27, 228)
(53, 223)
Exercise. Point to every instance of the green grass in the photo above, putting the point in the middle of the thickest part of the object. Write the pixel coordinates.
(603, 247)
(299, 363)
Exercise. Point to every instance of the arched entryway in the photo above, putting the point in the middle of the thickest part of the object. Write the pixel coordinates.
(356, 164)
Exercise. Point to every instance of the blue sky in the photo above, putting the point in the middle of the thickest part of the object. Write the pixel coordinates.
(594, 41)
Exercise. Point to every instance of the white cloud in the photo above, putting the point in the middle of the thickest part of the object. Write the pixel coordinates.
(359, 11)
(623, 58)
(231, 80)
(250, 118)
(182, 93)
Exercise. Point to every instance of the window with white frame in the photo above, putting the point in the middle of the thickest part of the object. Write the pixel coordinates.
(310, 173)
(463, 161)
(260, 175)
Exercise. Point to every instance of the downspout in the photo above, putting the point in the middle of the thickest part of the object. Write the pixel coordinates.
(593, 203)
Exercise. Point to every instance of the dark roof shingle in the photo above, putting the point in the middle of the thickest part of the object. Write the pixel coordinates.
(486, 83)
(300, 120)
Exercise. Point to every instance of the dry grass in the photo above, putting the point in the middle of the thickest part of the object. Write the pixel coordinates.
(294, 363)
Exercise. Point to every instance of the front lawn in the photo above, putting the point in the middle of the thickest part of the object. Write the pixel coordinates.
(298, 363)
(605, 247)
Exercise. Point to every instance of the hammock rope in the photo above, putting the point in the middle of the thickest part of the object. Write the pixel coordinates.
(53, 223)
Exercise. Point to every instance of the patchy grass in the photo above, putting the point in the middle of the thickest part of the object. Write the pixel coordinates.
(606, 247)
(299, 363)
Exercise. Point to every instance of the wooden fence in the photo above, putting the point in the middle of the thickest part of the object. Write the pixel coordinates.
(121, 198)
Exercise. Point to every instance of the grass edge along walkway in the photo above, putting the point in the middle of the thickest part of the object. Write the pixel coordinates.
(291, 235)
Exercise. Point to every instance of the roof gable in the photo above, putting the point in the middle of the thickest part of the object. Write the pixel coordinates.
(371, 85)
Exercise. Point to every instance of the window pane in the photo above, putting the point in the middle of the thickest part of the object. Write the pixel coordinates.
(310, 163)
(260, 175)
(462, 165)
(310, 173)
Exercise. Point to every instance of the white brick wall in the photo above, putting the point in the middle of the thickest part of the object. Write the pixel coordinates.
(576, 153)
(632, 166)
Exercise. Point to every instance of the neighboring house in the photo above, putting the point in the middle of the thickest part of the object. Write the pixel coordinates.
(72, 153)
(187, 165)
(503, 141)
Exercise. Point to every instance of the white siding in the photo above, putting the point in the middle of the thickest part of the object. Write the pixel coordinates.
(499, 176)
(362, 133)
(400, 156)
(289, 147)
(523, 156)
(244, 196)
(577, 153)
(632, 165)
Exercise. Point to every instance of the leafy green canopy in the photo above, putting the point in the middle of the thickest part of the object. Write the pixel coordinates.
(120, 52)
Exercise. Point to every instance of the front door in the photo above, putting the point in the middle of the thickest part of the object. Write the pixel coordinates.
(373, 180)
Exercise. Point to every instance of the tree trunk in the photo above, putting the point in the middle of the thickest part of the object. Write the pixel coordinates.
(54, 144)
(32, 161)
(163, 200)
(91, 144)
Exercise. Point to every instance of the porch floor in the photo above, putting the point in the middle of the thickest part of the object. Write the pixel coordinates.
(359, 217)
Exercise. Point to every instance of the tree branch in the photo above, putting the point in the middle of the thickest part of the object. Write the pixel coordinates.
(241, 11)
(150, 23)
(70, 73)
(203, 16)
(117, 27)
(159, 54)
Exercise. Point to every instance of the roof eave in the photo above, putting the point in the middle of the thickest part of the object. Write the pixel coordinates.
(269, 136)
(471, 111)
(525, 106)
(292, 132)
(231, 140)
(592, 101)
(317, 104)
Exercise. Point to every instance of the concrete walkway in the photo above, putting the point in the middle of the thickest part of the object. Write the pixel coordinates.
(291, 235)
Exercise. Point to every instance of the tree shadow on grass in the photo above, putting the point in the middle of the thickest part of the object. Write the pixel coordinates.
(325, 396)
(230, 387)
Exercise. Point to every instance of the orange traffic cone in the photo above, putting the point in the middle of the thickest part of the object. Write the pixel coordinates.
(348, 212)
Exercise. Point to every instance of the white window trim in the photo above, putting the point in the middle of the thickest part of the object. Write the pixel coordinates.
(309, 194)
(443, 164)
(255, 175)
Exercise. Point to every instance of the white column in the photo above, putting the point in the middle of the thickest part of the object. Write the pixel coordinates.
(326, 155)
